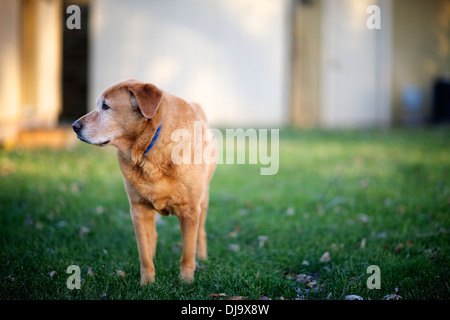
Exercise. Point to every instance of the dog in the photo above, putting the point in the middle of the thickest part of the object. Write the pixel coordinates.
(139, 118)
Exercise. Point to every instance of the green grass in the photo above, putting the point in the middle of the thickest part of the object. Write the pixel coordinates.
(334, 191)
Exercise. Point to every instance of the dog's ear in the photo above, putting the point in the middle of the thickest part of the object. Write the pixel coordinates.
(146, 97)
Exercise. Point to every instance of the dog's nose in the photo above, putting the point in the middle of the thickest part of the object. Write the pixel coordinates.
(76, 126)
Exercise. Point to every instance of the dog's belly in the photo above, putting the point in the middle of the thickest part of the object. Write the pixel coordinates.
(166, 211)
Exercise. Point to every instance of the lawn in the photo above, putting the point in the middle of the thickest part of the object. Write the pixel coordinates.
(340, 202)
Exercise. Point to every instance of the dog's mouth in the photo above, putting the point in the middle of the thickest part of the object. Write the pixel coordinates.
(103, 143)
(100, 144)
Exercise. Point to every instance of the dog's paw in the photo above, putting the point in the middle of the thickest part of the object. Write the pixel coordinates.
(202, 255)
(147, 278)
(187, 276)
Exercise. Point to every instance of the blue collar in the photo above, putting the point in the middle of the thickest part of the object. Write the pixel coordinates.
(153, 140)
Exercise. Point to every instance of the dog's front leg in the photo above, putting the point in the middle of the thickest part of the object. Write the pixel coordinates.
(144, 222)
(189, 219)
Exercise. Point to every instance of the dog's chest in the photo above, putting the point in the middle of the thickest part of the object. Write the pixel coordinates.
(148, 186)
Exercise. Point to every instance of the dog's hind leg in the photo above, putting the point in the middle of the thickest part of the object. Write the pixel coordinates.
(201, 239)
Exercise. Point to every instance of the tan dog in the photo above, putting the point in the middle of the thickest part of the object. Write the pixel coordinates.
(139, 118)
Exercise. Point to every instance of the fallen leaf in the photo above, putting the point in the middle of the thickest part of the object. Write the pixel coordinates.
(84, 231)
(120, 273)
(307, 280)
(325, 257)
(236, 298)
(105, 296)
(75, 188)
(90, 272)
(51, 274)
(243, 211)
(353, 297)
(217, 295)
(399, 247)
(261, 240)
(362, 217)
(99, 210)
(362, 245)
(61, 224)
(290, 211)
(234, 247)
(392, 297)
(233, 234)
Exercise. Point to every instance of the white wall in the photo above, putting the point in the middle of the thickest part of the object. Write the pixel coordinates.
(356, 76)
(230, 56)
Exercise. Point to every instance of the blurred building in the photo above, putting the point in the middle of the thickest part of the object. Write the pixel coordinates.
(259, 63)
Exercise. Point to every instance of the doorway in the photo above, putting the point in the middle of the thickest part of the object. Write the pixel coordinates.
(75, 65)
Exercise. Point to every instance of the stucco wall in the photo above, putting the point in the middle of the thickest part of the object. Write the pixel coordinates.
(230, 56)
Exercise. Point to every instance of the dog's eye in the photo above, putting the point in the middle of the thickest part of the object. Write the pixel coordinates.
(105, 106)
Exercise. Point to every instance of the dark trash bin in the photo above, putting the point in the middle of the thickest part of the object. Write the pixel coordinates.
(441, 101)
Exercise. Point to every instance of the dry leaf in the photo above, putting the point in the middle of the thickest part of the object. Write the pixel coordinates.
(236, 298)
(399, 247)
(362, 217)
(325, 257)
(362, 245)
(234, 247)
(290, 211)
(120, 273)
(51, 274)
(392, 297)
(353, 297)
(90, 272)
(99, 210)
(261, 240)
(217, 295)
(308, 281)
(233, 234)
(84, 231)
(105, 295)
(61, 224)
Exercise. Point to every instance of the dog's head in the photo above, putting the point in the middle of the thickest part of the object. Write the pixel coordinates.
(120, 111)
